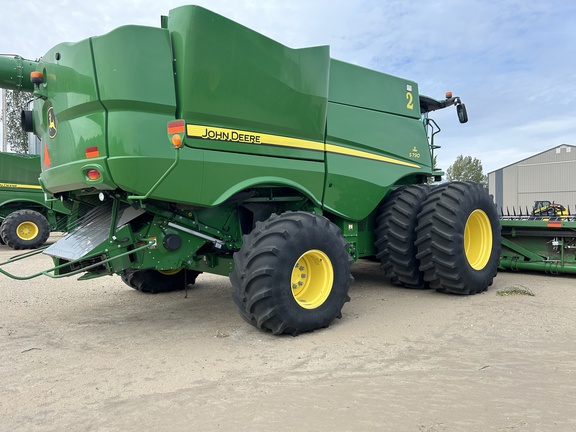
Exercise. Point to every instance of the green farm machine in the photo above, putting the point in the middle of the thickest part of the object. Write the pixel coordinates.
(203, 146)
(26, 217)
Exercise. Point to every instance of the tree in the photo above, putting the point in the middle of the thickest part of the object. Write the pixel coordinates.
(16, 138)
(466, 168)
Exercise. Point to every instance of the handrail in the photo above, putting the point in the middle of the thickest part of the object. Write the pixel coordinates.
(160, 180)
(50, 271)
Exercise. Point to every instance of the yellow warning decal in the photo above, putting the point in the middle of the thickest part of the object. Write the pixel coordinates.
(232, 135)
(19, 186)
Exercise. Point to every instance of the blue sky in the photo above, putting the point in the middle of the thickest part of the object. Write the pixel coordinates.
(512, 62)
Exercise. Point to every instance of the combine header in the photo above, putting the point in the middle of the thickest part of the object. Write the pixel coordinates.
(543, 239)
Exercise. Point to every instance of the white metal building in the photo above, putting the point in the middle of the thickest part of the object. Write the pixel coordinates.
(550, 176)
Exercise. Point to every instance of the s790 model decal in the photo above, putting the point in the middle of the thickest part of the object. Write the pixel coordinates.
(245, 137)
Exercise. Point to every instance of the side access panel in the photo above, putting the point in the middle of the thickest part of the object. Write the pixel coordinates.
(71, 120)
(134, 66)
(375, 137)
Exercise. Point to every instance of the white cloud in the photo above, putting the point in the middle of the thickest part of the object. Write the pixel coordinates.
(511, 61)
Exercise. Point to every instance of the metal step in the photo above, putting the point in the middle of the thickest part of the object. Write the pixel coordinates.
(93, 229)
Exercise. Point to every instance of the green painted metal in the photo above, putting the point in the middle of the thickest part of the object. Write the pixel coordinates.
(19, 189)
(250, 87)
(539, 244)
(56, 271)
(266, 129)
(230, 76)
(15, 73)
(399, 140)
(20, 169)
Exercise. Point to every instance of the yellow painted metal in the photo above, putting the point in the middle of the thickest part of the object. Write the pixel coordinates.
(312, 279)
(27, 230)
(170, 272)
(478, 239)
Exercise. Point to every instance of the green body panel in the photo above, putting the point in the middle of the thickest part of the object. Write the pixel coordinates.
(547, 245)
(19, 169)
(15, 73)
(226, 174)
(377, 135)
(360, 87)
(69, 117)
(139, 98)
(123, 114)
(228, 75)
(21, 197)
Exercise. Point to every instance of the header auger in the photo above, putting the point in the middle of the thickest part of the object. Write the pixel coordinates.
(203, 146)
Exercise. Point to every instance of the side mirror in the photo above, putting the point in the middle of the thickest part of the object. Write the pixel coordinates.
(462, 114)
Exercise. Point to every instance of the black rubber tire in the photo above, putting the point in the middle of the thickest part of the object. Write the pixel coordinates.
(263, 273)
(155, 282)
(395, 233)
(25, 229)
(441, 238)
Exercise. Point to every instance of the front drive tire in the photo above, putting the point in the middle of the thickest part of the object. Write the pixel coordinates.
(458, 238)
(292, 274)
(25, 229)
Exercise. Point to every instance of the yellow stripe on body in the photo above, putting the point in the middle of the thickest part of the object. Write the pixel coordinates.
(19, 186)
(361, 154)
(232, 135)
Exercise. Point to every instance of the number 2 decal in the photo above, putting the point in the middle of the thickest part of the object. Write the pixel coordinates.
(410, 99)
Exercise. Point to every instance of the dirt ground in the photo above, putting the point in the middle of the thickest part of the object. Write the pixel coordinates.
(99, 356)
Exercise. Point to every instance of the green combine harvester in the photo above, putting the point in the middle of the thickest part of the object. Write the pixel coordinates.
(26, 217)
(203, 146)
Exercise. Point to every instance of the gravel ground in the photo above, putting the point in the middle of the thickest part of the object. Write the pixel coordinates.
(97, 355)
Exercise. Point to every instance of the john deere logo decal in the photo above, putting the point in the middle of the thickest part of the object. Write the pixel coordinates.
(52, 129)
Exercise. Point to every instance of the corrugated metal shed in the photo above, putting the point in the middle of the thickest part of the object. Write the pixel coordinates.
(550, 175)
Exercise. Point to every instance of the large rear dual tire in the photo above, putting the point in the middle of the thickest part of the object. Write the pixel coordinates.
(395, 233)
(446, 237)
(292, 274)
(458, 238)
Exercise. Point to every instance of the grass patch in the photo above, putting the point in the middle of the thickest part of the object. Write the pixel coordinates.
(515, 290)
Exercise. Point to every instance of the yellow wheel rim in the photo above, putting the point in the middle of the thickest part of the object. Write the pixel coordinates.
(27, 230)
(312, 279)
(478, 239)
(170, 272)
